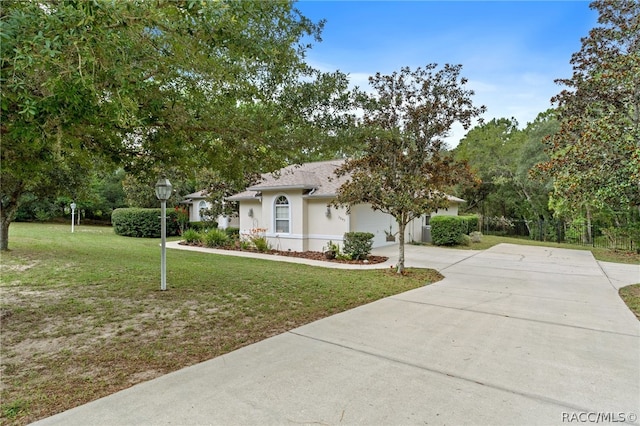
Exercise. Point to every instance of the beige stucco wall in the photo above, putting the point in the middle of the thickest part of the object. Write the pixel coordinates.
(247, 222)
(223, 221)
(322, 228)
(194, 210)
(312, 229)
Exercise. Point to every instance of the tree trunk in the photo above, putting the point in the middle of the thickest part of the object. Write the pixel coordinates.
(401, 227)
(589, 233)
(5, 221)
(11, 192)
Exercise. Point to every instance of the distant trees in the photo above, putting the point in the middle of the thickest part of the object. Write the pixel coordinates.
(404, 170)
(502, 156)
(581, 160)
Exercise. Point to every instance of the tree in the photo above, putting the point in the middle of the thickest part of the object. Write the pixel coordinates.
(502, 156)
(536, 191)
(492, 150)
(595, 155)
(152, 85)
(404, 170)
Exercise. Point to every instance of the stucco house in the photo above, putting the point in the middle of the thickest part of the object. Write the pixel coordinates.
(291, 206)
(197, 202)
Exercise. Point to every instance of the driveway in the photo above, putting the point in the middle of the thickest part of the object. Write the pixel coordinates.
(512, 335)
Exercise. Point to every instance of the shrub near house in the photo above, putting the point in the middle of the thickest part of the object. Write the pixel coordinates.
(452, 230)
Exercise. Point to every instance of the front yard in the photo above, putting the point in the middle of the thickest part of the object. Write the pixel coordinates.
(82, 314)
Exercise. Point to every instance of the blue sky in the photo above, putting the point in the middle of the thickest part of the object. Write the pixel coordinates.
(511, 51)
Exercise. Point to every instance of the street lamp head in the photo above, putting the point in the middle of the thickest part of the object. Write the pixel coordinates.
(163, 189)
(73, 206)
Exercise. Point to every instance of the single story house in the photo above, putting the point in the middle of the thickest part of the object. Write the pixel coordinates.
(197, 204)
(292, 208)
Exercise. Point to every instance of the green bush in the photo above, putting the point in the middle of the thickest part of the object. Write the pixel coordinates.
(142, 223)
(233, 233)
(192, 236)
(216, 238)
(261, 244)
(196, 226)
(448, 230)
(472, 222)
(358, 245)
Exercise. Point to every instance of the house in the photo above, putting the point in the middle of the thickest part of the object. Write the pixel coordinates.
(197, 204)
(292, 207)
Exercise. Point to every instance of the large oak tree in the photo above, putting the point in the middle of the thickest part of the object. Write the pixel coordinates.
(595, 156)
(148, 85)
(404, 169)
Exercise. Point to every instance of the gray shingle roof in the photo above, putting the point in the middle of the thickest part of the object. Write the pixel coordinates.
(317, 177)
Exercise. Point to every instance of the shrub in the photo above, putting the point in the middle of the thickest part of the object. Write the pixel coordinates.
(261, 244)
(181, 218)
(358, 245)
(472, 223)
(448, 230)
(233, 233)
(196, 226)
(256, 238)
(216, 238)
(142, 223)
(192, 236)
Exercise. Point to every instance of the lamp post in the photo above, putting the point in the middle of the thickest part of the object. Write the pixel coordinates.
(73, 212)
(163, 192)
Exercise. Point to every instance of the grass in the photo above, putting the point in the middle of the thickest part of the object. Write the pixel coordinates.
(82, 315)
(602, 254)
(631, 296)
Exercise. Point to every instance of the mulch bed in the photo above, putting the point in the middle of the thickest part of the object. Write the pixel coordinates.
(313, 255)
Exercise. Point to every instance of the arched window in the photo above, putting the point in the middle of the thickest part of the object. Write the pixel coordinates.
(281, 210)
(202, 207)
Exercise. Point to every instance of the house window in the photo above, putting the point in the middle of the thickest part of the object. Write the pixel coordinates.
(282, 214)
(202, 207)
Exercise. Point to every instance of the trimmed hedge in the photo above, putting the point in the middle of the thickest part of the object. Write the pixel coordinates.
(143, 223)
(472, 223)
(448, 230)
(358, 245)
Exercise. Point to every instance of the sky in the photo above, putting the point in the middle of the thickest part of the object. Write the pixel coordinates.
(510, 51)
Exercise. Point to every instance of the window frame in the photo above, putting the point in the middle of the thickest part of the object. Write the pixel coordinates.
(200, 208)
(277, 206)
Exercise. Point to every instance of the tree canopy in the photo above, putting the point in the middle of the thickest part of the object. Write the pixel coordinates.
(152, 85)
(404, 170)
(595, 155)
(502, 156)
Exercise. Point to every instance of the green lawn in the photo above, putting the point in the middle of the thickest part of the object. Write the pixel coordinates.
(631, 296)
(82, 314)
(602, 254)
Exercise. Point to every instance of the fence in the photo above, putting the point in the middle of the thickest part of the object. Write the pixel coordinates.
(576, 232)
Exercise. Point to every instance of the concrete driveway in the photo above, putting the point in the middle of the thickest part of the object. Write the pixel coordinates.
(512, 335)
